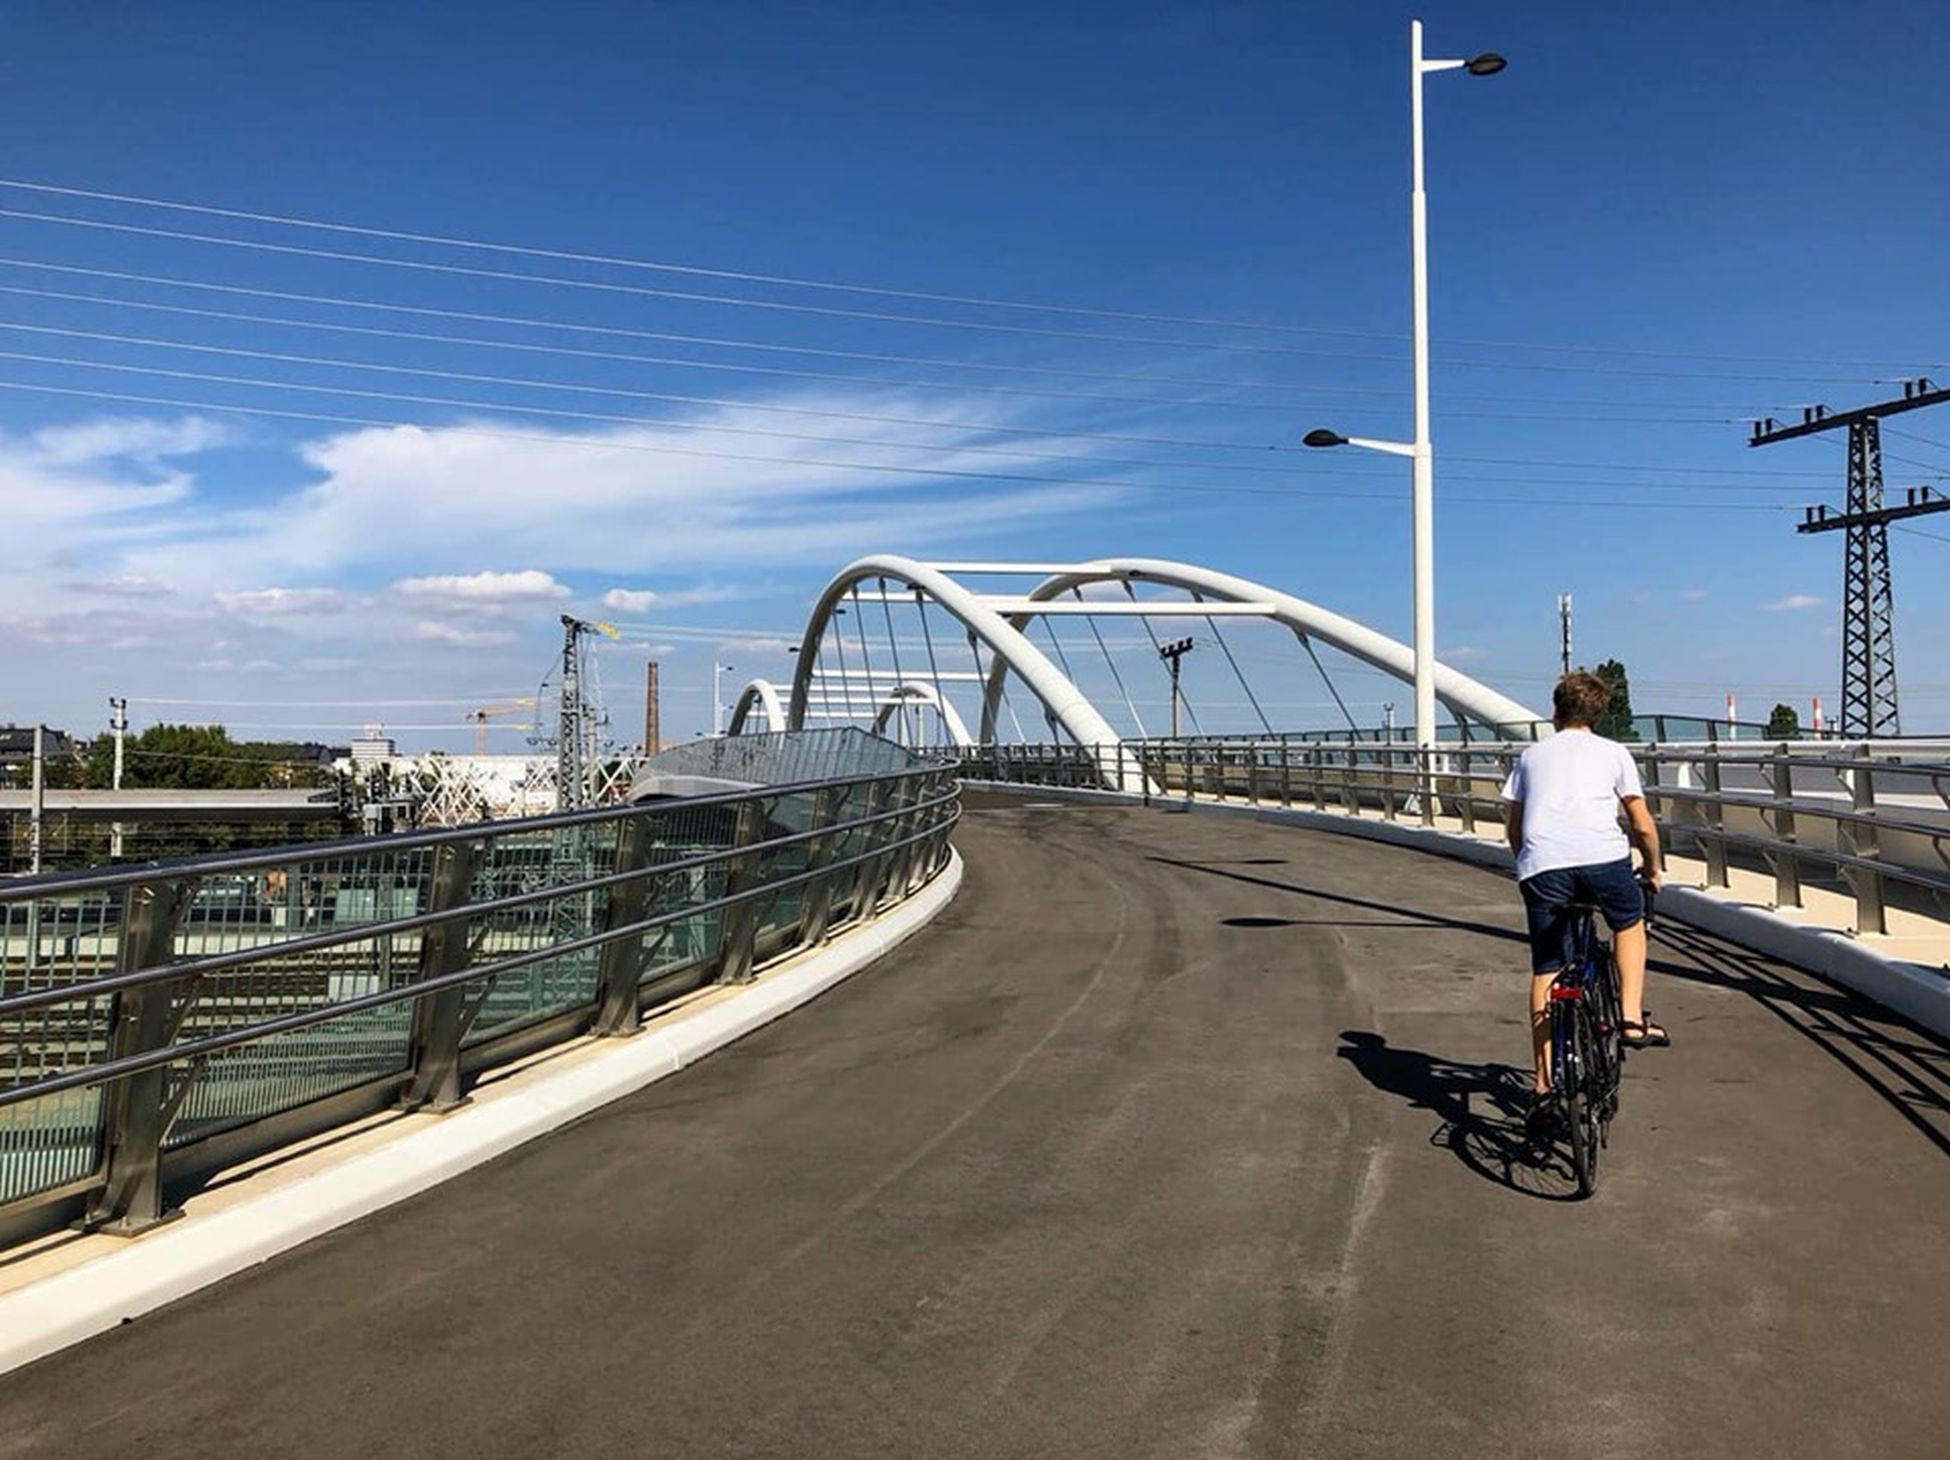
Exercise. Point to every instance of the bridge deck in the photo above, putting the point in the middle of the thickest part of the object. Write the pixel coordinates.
(1174, 1137)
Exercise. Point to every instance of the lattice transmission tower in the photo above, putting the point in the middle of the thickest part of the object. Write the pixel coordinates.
(1869, 699)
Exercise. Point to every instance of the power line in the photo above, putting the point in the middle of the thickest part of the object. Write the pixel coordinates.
(927, 321)
(720, 402)
(1097, 483)
(879, 291)
(856, 379)
(1379, 474)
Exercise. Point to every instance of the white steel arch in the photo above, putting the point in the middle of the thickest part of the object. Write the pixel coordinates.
(1462, 694)
(765, 695)
(923, 693)
(1065, 703)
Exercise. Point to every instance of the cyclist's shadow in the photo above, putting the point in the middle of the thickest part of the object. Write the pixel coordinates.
(1481, 1107)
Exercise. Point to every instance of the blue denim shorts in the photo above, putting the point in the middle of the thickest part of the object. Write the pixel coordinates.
(1547, 899)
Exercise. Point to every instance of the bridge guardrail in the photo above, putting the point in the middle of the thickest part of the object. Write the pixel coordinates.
(1879, 820)
(154, 1017)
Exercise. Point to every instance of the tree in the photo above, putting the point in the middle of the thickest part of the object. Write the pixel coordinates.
(1616, 722)
(1784, 723)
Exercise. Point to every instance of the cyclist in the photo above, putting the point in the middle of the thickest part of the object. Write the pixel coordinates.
(1564, 799)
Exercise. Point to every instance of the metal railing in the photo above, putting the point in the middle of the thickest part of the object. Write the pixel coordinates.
(1871, 818)
(157, 1019)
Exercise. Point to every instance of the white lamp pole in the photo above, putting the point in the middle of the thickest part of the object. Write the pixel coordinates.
(717, 696)
(1420, 451)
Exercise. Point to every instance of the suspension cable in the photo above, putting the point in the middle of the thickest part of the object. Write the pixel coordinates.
(1265, 724)
(1308, 644)
(1130, 593)
(1104, 649)
(934, 669)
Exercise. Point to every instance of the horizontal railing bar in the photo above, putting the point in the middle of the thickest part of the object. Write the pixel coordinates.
(111, 1070)
(359, 933)
(67, 884)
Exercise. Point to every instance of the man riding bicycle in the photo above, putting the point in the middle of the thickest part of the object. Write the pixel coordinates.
(1564, 799)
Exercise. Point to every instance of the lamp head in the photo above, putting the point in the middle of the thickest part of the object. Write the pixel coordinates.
(1487, 64)
(1321, 436)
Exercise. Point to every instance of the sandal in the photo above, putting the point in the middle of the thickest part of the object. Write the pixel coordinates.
(1649, 1035)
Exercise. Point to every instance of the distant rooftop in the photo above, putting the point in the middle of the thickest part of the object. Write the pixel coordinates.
(739, 762)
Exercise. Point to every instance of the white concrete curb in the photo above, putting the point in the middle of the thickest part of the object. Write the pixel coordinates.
(177, 1260)
(1913, 990)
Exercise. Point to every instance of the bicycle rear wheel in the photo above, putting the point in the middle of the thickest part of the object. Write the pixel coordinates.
(1584, 1098)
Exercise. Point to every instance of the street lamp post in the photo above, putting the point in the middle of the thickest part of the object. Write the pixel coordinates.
(1420, 452)
(717, 695)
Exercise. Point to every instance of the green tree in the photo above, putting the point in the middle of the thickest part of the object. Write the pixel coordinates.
(1616, 722)
(1784, 723)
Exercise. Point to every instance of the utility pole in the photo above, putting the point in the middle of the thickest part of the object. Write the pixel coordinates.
(118, 721)
(1869, 706)
(1171, 653)
(1564, 633)
(37, 804)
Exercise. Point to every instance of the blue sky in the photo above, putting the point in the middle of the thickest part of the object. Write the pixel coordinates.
(1660, 220)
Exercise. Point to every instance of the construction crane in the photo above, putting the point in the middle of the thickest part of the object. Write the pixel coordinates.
(481, 716)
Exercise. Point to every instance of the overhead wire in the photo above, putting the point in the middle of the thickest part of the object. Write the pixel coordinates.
(1740, 410)
(671, 362)
(881, 317)
(803, 463)
(880, 291)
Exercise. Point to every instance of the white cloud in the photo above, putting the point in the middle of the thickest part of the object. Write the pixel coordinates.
(440, 633)
(1464, 654)
(273, 601)
(127, 585)
(136, 438)
(1791, 602)
(1693, 595)
(530, 585)
(629, 600)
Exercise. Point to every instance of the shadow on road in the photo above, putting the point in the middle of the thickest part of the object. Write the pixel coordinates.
(1481, 1109)
(1398, 917)
(1905, 1065)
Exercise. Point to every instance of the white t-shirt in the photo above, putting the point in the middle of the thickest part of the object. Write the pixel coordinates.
(1570, 787)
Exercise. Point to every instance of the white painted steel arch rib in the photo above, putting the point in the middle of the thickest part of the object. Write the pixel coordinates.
(922, 693)
(764, 694)
(1462, 694)
(1062, 699)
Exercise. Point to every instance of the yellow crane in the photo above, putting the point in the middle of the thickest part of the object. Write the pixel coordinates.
(481, 716)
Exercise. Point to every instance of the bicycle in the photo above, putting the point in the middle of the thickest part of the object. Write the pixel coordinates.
(1587, 1049)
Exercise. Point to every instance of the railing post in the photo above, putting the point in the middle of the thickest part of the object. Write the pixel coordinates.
(738, 929)
(1787, 865)
(623, 959)
(1716, 819)
(440, 1019)
(1350, 787)
(1429, 761)
(1468, 781)
(1649, 775)
(1863, 839)
(819, 891)
(1286, 774)
(138, 1109)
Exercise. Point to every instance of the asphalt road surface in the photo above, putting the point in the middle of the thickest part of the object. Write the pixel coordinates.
(1176, 1136)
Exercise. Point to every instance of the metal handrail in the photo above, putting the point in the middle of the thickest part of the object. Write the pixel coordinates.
(68, 884)
(1352, 772)
(107, 1070)
(360, 932)
(606, 947)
